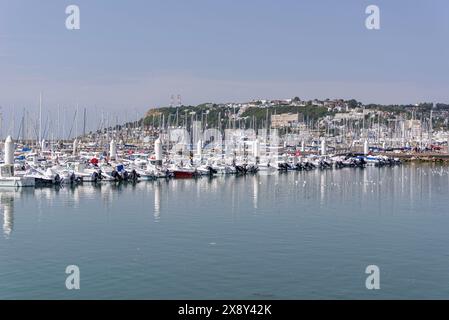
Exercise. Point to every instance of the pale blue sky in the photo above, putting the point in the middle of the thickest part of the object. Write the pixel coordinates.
(134, 54)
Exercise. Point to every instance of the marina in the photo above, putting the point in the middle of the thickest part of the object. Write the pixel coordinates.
(28, 168)
(218, 158)
(231, 210)
(164, 211)
(187, 142)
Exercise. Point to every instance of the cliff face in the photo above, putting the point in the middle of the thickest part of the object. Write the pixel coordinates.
(153, 111)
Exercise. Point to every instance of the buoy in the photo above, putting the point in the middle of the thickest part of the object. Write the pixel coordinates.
(9, 150)
(112, 150)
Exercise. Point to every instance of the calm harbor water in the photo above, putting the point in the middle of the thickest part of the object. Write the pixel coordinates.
(306, 235)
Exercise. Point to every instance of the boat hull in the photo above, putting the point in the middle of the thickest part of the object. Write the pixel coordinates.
(178, 174)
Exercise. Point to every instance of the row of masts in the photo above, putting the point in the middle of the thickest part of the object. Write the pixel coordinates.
(63, 123)
(344, 133)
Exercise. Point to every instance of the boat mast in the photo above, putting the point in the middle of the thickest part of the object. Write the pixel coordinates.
(40, 118)
(84, 122)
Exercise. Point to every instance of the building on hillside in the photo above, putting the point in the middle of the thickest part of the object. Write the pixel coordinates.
(352, 115)
(286, 120)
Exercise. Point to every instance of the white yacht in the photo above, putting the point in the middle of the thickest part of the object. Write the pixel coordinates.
(7, 178)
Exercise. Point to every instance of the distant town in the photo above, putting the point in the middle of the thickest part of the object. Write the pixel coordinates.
(338, 120)
(294, 113)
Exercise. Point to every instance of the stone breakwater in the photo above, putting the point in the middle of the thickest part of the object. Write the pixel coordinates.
(420, 157)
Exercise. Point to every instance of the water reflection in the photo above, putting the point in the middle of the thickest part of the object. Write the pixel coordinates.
(255, 191)
(7, 206)
(157, 201)
(9, 198)
(352, 189)
(282, 223)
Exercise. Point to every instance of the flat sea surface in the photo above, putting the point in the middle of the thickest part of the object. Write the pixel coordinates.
(299, 235)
